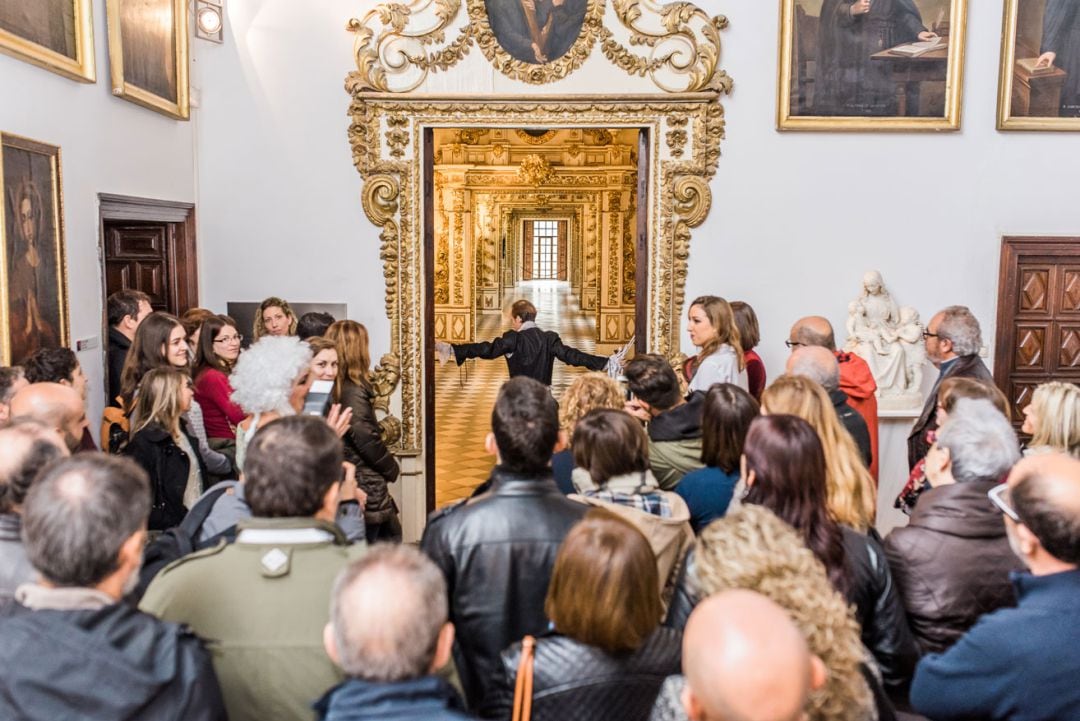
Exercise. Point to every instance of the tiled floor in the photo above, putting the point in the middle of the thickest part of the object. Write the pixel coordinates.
(464, 396)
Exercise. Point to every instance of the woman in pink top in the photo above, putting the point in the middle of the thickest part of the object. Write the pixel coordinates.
(219, 347)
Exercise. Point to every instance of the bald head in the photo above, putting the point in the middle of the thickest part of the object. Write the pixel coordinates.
(58, 406)
(816, 363)
(745, 660)
(813, 330)
(388, 616)
(1044, 491)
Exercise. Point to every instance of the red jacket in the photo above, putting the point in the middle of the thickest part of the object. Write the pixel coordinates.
(858, 382)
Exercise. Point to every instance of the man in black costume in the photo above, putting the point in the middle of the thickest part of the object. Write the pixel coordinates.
(529, 351)
(1061, 47)
(850, 82)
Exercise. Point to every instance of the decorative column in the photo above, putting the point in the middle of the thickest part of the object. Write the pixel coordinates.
(453, 245)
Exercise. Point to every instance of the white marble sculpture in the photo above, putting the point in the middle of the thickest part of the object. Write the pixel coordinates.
(889, 339)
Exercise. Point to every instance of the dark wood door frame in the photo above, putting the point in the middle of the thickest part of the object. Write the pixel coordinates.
(641, 287)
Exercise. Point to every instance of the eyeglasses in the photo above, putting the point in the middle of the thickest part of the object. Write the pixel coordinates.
(928, 334)
(230, 339)
(997, 496)
(793, 343)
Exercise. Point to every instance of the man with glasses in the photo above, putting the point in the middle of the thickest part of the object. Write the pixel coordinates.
(1023, 662)
(953, 339)
(856, 379)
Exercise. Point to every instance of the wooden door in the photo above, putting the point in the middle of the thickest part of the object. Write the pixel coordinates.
(1038, 324)
(149, 245)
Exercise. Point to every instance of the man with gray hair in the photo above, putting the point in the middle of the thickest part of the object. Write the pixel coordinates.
(953, 340)
(820, 365)
(389, 633)
(12, 380)
(952, 561)
(72, 648)
(26, 447)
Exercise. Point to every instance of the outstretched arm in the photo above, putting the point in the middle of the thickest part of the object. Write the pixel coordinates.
(574, 357)
(507, 343)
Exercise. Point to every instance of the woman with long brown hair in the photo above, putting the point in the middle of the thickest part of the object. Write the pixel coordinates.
(364, 446)
(712, 327)
(784, 471)
(852, 498)
(219, 348)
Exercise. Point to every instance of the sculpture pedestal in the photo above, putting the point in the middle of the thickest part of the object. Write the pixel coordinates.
(894, 426)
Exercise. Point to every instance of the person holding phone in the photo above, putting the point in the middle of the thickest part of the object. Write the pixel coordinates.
(364, 446)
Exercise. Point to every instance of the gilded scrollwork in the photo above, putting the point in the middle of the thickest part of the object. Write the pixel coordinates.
(397, 44)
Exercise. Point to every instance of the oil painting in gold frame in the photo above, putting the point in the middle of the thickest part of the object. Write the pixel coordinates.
(148, 54)
(57, 35)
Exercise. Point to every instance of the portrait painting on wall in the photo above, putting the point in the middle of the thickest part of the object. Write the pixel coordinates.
(148, 54)
(33, 308)
(1039, 86)
(54, 34)
(536, 31)
(871, 64)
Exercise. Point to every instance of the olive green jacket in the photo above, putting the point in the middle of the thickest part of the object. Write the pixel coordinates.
(671, 460)
(261, 604)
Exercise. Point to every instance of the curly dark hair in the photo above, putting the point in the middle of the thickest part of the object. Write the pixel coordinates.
(51, 365)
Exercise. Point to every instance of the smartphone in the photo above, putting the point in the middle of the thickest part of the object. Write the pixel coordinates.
(319, 398)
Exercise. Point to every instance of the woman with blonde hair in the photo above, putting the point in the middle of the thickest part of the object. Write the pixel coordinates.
(161, 444)
(711, 323)
(274, 317)
(852, 499)
(589, 391)
(751, 548)
(364, 446)
(1053, 419)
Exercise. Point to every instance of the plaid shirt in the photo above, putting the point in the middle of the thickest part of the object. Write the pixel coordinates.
(653, 502)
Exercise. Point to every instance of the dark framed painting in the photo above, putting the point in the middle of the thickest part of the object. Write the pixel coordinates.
(1039, 80)
(536, 41)
(57, 35)
(33, 267)
(148, 54)
(866, 65)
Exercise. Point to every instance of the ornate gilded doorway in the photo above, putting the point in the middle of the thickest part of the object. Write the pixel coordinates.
(415, 74)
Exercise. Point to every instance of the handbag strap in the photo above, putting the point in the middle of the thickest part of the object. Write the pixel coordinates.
(523, 687)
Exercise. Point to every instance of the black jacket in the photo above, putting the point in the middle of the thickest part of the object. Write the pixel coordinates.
(879, 610)
(871, 590)
(364, 447)
(429, 698)
(967, 366)
(497, 551)
(167, 464)
(110, 664)
(854, 423)
(576, 682)
(952, 563)
(530, 352)
(118, 350)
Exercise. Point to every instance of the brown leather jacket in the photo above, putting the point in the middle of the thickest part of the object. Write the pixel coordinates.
(951, 563)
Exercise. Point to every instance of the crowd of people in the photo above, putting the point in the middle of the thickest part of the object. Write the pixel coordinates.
(669, 540)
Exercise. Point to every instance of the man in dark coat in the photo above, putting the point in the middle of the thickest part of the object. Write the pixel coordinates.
(850, 82)
(953, 339)
(71, 648)
(389, 633)
(529, 351)
(497, 550)
(951, 563)
(1061, 47)
(1021, 663)
(125, 310)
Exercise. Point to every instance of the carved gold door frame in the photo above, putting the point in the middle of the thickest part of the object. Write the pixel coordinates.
(386, 134)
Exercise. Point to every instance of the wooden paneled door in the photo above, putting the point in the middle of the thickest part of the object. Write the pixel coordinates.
(1038, 323)
(150, 246)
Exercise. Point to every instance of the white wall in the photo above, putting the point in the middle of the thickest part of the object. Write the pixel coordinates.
(796, 219)
(107, 145)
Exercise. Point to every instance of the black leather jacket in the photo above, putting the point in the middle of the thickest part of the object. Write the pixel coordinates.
(878, 609)
(576, 682)
(167, 465)
(364, 447)
(496, 551)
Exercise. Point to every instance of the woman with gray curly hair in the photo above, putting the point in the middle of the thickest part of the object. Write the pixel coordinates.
(751, 548)
(270, 381)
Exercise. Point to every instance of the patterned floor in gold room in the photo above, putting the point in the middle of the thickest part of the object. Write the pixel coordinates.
(464, 396)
